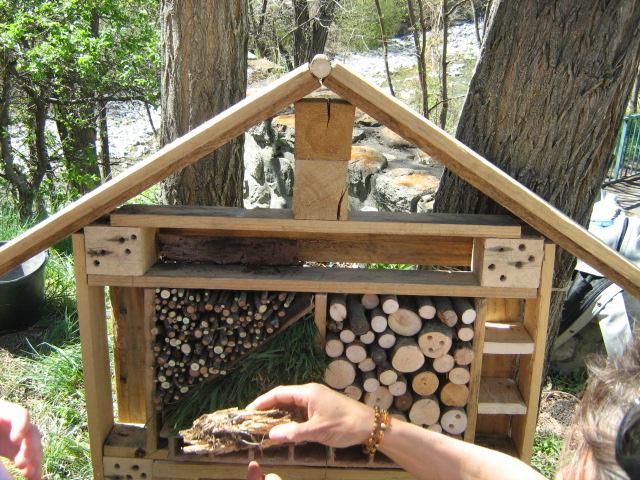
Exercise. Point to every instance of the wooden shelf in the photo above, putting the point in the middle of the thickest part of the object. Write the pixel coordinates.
(507, 338)
(500, 396)
(312, 279)
(270, 222)
(501, 443)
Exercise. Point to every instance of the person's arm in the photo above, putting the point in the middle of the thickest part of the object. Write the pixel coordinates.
(338, 421)
(20, 440)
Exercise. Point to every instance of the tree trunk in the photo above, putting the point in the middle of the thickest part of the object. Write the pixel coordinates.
(301, 33)
(204, 72)
(444, 109)
(385, 49)
(101, 113)
(544, 105)
(418, 30)
(311, 31)
(633, 101)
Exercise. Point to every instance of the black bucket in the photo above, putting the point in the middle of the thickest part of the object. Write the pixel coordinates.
(22, 294)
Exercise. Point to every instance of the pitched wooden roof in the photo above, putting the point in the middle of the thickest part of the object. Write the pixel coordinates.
(463, 161)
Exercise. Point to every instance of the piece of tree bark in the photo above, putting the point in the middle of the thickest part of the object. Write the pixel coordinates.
(425, 411)
(380, 397)
(425, 382)
(407, 356)
(435, 339)
(338, 306)
(454, 395)
(531, 88)
(204, 73)
(340, 373)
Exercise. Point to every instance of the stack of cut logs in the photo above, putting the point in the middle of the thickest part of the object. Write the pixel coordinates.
(410, 355)
(200, 334)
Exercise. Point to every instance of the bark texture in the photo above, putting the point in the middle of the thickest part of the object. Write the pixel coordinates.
(545, 104)
(204, 72)
(312, 28)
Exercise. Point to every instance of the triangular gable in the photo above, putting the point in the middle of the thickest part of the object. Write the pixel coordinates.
(460, 159)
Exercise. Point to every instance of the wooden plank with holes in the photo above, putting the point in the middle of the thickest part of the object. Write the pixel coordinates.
(117, 250)
(485, 176)
(95, 357)
(322, 153)
(173, 157)
(313, 279)
(536, 319)
(476, 369)
(129, 348)
(508, 261)
(277, 222)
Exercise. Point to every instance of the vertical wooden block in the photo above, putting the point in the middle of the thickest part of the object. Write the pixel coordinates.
(119, 250)
(322, 152)
(320, 319)
(476, 369)
(508, 262)
(129, 349)
(95, 357)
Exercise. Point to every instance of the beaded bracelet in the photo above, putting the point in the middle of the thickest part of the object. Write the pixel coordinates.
(381, 422)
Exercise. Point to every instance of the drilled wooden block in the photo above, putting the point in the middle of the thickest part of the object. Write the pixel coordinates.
(120, 250)
(127, 468)
(513, 262)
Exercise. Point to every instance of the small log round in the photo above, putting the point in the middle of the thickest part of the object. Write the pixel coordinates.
(444, 363)
(463, 353)
(403, 402)
(425, 383)
(368, 338)
(464, 332)
(459, 375)
(356, 352)
(347, 335)
(338, 306)
(407, 356)
(425, 411)
(405, 322)
(340, 373)
(435, 428)
(454, 395)
(378, 320)
(399, 387)
(370, 301)
(370, 382)
(367, 365)
(333, 346)
(426, 309)
(387, 339)
(464, 309)
(454, 421)
(389, 303)
(320, 66)
(353, 391)
(386, 374)
(380, 397)
(435, 339)
(445, 311)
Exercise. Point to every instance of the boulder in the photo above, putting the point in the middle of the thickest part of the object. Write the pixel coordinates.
(401, 189)
(392, 139)
(362, 118)
(365, 162)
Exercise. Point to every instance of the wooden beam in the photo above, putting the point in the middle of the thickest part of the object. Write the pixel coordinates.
(95, 357)
(485, 176)
(507, 338)
(476, 369)
(500, 396)
(313, 279)
(173, 157)
(271, 221)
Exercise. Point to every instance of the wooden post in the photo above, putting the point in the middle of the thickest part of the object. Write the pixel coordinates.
(536, 319)
(322, 153)
(320, 318)
(95, 357)
(476, 370)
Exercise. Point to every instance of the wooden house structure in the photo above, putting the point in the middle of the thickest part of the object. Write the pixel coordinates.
(509, 274)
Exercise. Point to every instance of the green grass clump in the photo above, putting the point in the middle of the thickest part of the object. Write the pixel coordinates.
(572, 382)
(290, 358)
(546, 453)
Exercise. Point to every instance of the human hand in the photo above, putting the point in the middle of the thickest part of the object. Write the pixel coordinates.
(20, 440)
(334, 419)
(254, 472)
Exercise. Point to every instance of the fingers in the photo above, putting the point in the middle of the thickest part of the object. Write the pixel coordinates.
(283, 396)
(254, 472)
(272, 476)
(292, 432)
(19, 419)
(29, 457)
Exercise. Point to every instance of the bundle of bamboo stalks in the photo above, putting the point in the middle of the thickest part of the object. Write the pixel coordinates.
(202, 334)
(410, 355)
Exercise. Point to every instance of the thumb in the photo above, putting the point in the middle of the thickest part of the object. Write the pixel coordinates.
(254, 472)
(292, 432)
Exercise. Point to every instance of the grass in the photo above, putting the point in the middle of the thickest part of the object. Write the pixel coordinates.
(546, 453)
(290, 358)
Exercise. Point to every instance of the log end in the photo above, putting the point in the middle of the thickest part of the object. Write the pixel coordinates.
(320, 67)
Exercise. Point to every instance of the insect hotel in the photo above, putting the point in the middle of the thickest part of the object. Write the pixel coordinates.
(457, 348)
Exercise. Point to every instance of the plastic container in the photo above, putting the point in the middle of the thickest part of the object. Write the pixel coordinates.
(22, 294)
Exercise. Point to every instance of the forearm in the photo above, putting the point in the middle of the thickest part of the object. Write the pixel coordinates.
(430, 455)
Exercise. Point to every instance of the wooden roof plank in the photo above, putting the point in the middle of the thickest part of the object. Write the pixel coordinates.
(173, 157)
(485, 176)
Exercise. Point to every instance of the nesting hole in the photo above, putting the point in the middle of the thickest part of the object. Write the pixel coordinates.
(134, 237)
(116, 466)
(501, 249)
(531, 258)
(135, 468)
(503, 278)
(121, 240)
(522, 247)
(492, 266)
(96, 263)
(127, 251)
(518, 264)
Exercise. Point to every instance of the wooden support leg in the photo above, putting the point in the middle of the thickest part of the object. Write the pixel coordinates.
(95, 358)
(320, 318)
(536, 319)
(476, 370)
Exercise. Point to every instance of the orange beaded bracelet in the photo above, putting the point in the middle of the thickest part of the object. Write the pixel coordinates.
(381, 422)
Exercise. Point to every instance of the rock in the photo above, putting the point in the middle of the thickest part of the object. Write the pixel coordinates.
(425, 203)
(401, 189)
(362, 118)
(251, 56)
(358, 135)
(364, 163)
(424, 159)
(286, 121)
(262, 65)
(392, 139)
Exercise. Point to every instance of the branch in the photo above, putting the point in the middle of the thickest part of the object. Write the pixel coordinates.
(437, 104)
(455, 5)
